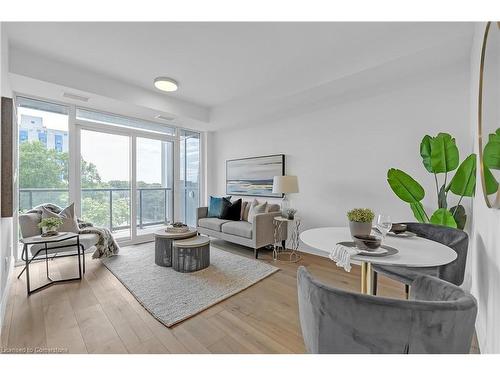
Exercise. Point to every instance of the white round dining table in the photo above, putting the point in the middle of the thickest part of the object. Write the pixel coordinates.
(412, 251)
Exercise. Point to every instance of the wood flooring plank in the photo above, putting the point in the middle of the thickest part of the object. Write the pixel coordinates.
(99, 314)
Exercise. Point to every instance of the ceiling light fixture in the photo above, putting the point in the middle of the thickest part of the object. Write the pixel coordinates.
(166, 84)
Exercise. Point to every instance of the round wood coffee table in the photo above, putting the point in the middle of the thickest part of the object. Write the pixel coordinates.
(163, 245)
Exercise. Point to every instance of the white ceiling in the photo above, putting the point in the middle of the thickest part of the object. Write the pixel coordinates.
(218, 64)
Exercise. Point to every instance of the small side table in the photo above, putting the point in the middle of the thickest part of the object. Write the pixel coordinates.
(45, 241)
(280, 252)
(163, 245)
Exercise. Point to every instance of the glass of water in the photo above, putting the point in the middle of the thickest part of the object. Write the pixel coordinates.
(383, 224)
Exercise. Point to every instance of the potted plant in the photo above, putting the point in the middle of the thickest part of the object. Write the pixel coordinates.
(49, 226)
(440, 156)
(290, 213)
(360, 221)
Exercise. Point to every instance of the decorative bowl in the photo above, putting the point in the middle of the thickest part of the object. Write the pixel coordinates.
(398, 228)
(369, 242)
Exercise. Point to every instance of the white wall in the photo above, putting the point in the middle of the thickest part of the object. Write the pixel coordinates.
(341, 154)
(6, 262)
(484, 260)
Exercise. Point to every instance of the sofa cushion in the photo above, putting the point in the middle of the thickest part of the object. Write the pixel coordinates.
(238, 228)
(28, 224)
(87, 240)
(216, 205)
(273, 208)
(254, 210)
(212, 223)
(231, 210)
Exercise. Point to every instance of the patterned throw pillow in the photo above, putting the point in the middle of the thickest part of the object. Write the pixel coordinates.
(215, 206)
(257, 209)
(68, 217)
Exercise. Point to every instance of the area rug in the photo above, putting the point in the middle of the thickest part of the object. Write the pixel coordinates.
(171, 296)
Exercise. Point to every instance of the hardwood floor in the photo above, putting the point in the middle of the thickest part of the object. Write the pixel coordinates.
(99, 315)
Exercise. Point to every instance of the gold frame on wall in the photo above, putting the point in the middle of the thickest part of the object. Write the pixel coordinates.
(480, 110)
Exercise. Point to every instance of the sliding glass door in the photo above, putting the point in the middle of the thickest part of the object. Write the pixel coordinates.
(105, 181)
(154, 182)
(120, 171)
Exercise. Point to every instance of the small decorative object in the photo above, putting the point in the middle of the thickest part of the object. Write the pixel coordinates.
(285, 185)
(177, 227)
(49, 226)
(440, 156)
(360, 221)
(398, 228)
(290, 213)
(367, 242)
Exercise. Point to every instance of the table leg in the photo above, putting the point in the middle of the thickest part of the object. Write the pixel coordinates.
(369, 279)
(363, 277)
(25, 249)
(366, 278)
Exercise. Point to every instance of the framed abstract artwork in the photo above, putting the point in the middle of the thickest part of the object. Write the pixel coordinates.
(254, 176)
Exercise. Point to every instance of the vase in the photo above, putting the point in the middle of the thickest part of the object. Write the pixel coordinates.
(360, 229)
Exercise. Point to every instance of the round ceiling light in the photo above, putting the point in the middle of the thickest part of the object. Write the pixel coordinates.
(166, 84)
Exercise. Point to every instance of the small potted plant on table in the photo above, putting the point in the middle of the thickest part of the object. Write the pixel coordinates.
(360, 221)
(49, 226)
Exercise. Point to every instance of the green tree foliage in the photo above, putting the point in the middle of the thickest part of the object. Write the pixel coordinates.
(40, 167)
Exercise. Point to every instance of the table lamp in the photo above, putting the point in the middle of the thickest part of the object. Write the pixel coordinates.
(285, 185)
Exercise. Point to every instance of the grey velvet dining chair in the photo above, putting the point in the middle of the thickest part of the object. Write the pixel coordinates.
(439, 318)
(453, 272)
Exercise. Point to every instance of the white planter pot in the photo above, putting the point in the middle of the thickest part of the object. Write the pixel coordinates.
(360, 229)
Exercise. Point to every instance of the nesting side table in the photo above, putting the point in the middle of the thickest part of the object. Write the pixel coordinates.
(163, 245)
(280, 252)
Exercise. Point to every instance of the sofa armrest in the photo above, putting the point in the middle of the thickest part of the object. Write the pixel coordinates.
(201, 213)
(263, 229)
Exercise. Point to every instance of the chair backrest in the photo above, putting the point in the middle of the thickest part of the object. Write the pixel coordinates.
(456, 239)
(439, 319)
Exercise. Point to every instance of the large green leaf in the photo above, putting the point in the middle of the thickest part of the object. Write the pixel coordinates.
(444, 153)
(419, 212)
(490, 181)
(404, 186)
(443, 217)
(459, 215)
(464, 181)
(425, 152)
(491, 154)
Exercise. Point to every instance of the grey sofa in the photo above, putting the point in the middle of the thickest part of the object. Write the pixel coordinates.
(256, 235)
(439, 318)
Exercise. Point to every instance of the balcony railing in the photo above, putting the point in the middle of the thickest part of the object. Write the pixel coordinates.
(153, 204)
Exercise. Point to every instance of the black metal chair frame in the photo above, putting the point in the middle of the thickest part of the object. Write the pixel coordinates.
(35, 257)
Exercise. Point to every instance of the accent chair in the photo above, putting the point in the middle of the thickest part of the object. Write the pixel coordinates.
(438, 318)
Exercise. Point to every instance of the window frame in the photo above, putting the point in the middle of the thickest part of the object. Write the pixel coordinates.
(74, 138)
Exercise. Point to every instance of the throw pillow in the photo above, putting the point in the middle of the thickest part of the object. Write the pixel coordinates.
(68, 217)
(231, 210)
(215, 206)
(243, 207)
(254, 210)
(244, 215)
